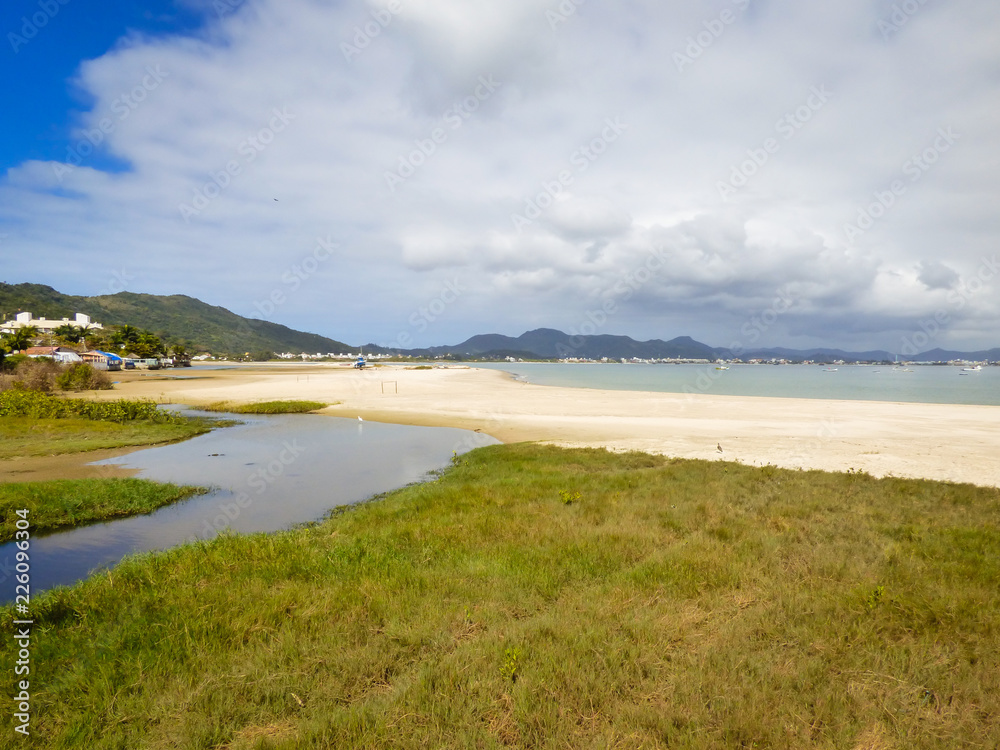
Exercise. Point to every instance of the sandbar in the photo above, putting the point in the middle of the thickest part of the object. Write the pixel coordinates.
(946, 442)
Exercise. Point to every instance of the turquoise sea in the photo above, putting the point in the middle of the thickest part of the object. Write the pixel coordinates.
(918, 384)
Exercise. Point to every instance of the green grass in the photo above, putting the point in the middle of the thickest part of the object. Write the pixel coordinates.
(267, 407)
(37, 424)
(542, 598)
(27, 403)
(73, 502)
(27, 436)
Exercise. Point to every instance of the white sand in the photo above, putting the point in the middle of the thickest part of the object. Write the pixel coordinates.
(935, 441)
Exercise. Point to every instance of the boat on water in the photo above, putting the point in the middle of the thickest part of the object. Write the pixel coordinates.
(829, 369)
(974, 368)
(723, 367)
(897, 368)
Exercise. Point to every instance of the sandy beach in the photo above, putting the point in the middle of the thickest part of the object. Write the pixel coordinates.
(933, 441)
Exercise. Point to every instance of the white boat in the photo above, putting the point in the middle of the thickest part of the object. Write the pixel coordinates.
(975, 368)
(897, 368)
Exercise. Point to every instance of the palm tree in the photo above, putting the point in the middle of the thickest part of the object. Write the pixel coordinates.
(94, 338)
(129, 333)
(70, 333)
(117, 340)
(21, 338)
(147, 344)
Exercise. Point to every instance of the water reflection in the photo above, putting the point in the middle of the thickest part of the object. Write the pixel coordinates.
(267, 474)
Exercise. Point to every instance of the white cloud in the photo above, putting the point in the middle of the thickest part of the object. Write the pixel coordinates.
(264, 104)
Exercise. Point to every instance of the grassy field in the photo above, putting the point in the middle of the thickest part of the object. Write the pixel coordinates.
(38, 424)
(74, 502)
(267, 407)
(540, 598)
(28, 436)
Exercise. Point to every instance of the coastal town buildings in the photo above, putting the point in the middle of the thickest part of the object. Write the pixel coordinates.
(44, 325)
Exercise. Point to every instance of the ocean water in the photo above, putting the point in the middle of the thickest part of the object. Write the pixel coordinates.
(922, 384)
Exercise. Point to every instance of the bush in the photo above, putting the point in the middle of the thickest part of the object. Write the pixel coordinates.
(83, 377)
(18, 402)
(11, 361)
(45, 376)
(36, 374)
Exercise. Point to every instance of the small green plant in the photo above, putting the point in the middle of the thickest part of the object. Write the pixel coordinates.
(875, 597)
(568, 497)
(509, 669)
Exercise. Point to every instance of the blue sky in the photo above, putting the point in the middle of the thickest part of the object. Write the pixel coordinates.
(40, 101)
(413, 172)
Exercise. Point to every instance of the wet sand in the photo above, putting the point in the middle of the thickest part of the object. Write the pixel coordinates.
(65, 466)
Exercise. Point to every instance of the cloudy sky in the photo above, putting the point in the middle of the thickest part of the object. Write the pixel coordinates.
(414, 172)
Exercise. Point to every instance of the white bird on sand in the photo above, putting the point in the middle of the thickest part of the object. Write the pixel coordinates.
(360, 419)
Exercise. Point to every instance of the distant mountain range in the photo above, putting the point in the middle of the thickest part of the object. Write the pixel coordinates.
(547, 343)
(203, 327)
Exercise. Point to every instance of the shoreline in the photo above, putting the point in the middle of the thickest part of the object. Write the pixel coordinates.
(944, 442)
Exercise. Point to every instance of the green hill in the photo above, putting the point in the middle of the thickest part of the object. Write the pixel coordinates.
(174, 318)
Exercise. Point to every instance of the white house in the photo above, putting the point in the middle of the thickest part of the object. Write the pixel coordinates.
(56, 353)
(24, 319)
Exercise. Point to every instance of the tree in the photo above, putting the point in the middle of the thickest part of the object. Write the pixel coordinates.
(95, 338)
(70, 333)
(21, 338)
(117, 341)
(129, 334)
(126, 338)
(147, 344)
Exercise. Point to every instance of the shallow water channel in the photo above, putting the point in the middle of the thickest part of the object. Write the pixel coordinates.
(269, 473)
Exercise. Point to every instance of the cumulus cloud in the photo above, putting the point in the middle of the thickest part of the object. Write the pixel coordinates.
(934, 275)
(539, 155)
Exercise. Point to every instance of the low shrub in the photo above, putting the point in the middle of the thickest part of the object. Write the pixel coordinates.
(36, 375)
(83, 377)
(46, 376)
(11, 361)
(18, 402)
